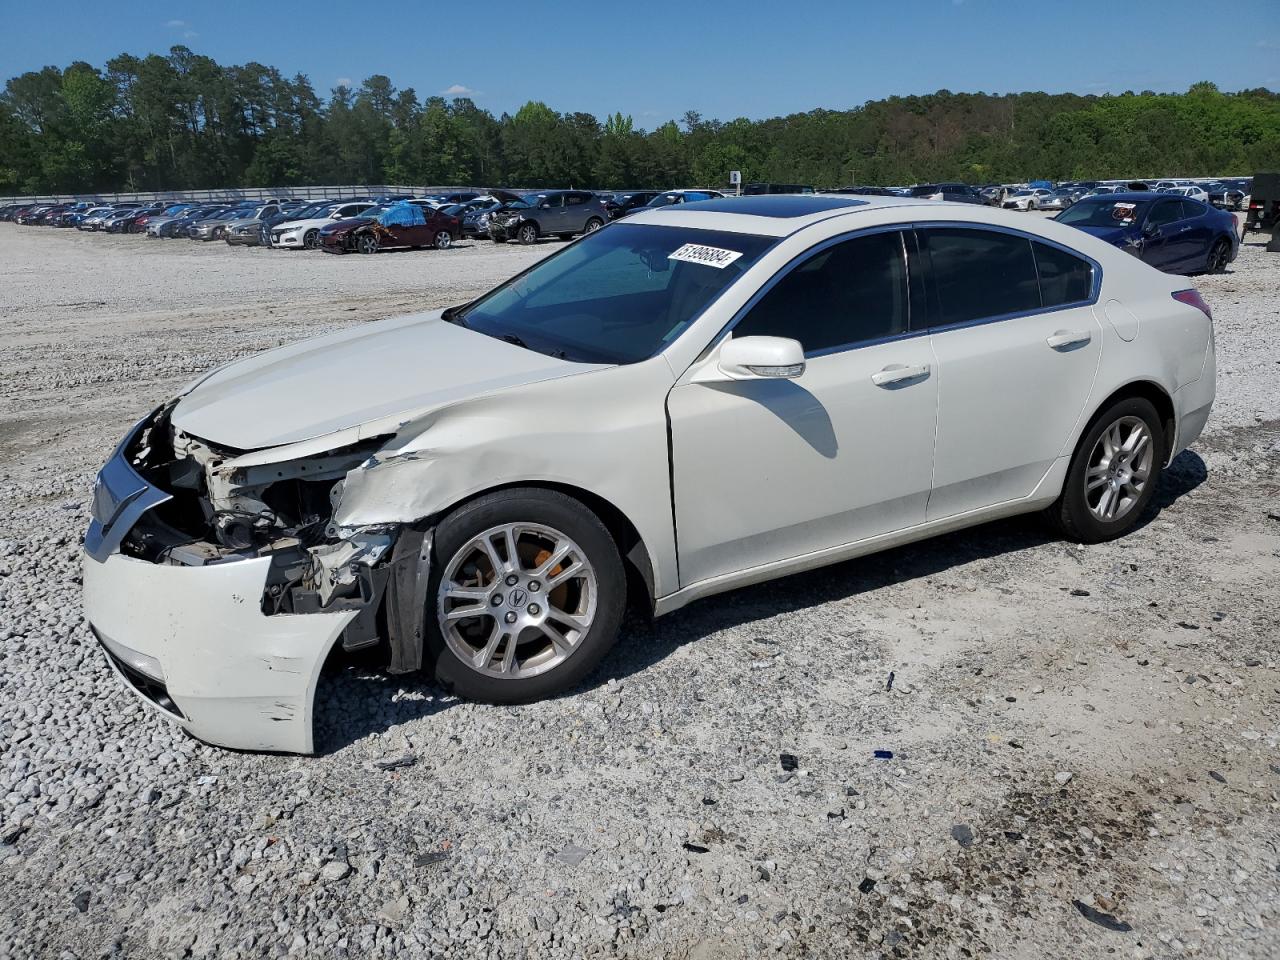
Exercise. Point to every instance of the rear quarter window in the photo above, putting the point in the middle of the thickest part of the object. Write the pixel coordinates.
(1064, 277)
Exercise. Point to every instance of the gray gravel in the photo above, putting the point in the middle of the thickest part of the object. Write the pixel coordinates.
(1083, 740)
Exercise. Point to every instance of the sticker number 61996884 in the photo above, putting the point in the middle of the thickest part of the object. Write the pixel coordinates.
(707, 256)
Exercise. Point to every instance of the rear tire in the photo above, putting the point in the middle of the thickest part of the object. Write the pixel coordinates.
(1108, 486)
(594, 224)
(469, 658)
(443, 240)
(1219, 257)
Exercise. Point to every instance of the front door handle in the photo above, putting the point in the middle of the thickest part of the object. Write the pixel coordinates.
(1066, 339)
(896, 373)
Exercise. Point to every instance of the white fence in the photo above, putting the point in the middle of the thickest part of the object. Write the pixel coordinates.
(245, 193)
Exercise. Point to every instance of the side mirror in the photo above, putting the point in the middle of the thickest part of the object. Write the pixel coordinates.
(1151, 230)
(755, 358)
(546, 205)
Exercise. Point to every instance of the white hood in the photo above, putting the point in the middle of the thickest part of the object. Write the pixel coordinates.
(405, 365)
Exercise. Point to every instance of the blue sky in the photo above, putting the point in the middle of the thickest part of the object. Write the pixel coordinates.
(655, 59)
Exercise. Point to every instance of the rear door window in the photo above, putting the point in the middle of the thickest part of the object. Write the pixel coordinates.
(979, 274)
(1166, 211)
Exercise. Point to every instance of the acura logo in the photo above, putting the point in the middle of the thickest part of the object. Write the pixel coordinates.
(518, 597)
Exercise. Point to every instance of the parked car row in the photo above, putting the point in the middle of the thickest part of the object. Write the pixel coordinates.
(360, 224)
(1174, 227)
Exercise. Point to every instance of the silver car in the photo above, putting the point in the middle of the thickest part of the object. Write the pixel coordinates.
(247, 230)
(1059, 200)
(215, 226)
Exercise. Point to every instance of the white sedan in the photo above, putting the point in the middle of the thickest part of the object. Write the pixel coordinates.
(305, 234)
(1028, 199)
(690, 400)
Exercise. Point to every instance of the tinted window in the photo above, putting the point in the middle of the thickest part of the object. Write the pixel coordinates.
(574, 199)
(1190, 208)
(1166, 211)
(980, 273)
(849, 293)
(1064, 277)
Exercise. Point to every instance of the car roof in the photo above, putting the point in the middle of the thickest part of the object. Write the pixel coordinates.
(775, 215)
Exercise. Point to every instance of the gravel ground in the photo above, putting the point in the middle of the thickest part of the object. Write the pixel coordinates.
(1084, 739)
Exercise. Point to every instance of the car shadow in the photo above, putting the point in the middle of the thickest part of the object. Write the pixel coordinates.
(355, 698)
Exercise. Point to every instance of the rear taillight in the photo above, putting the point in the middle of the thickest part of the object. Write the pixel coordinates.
(1192, 298)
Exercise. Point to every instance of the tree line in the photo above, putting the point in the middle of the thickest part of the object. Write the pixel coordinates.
(185, 121)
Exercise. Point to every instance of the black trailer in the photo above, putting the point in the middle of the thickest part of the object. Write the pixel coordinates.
(1264, 207)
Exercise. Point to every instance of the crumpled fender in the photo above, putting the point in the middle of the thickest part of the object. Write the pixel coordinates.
(603, 433)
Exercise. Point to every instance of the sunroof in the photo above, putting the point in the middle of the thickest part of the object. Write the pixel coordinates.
(781, 205)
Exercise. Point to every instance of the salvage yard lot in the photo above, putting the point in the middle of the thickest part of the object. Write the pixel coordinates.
(1068, 725)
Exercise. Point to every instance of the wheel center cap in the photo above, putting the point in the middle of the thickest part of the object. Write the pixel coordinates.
(517, 598)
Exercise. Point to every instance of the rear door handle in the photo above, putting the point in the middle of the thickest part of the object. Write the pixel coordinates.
(897, 373)
(1066, 339)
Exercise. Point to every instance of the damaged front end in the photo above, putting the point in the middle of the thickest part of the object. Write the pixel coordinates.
(217, 581)
(226, 505)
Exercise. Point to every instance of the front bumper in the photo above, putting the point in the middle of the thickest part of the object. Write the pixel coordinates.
(506, 230)
(228, 674)
(287, 240)
(192, 641)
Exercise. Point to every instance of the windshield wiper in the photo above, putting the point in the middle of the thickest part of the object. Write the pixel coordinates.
(451, 315)
(513, 339)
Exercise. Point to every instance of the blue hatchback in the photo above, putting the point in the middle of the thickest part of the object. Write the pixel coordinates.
(1173, 234)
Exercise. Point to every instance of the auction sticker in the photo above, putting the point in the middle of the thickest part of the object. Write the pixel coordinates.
(1123, 211)
(707, 256)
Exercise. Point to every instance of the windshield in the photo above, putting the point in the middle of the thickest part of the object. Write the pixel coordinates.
(527, 202)
(1104, 212)
(618, 295)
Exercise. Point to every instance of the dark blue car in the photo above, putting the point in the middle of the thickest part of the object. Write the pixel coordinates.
(1173, 234)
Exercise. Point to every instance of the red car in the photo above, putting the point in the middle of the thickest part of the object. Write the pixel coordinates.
(403, 224)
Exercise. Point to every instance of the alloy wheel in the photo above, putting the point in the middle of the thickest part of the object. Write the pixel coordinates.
(367, 243)
(1218, 257)
(1119, 469)
(311, 239)
(516, 600)
(528, 233)
(444, 239)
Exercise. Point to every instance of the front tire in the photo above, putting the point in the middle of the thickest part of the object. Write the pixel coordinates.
(1114, 473)
(527, 234)
(367, 243)
(526, 596)
(311, 240)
